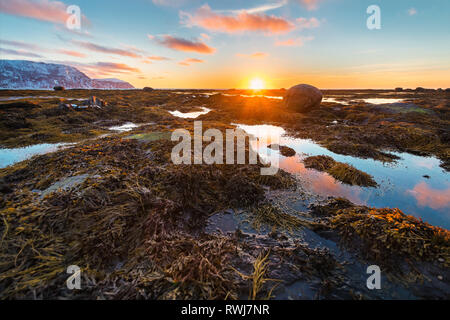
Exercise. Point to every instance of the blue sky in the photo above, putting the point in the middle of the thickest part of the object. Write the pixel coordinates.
(225, 44)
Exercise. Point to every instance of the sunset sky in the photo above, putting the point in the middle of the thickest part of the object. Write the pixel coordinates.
(226, 44)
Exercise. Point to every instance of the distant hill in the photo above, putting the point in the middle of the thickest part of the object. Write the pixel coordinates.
(23, 74)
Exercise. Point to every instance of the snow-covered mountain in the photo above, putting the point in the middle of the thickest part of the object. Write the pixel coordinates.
(111, 83)
(23, 74)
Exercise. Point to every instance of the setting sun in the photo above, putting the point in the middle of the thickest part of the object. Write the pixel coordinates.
(256, 84)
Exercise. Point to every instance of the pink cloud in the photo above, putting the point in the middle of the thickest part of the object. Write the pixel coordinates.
(44, 10)
(102, 68)
(98, 48)
(189, 61)
(180, 44)
(72, 53)
(239, 22)
(51, 11)
(310, 4)
(429, 197)
(205, 36)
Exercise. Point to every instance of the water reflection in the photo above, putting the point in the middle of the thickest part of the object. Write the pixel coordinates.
(11, 156)
(429, 197)
(382, 100)
(401, 184)
(191, 115)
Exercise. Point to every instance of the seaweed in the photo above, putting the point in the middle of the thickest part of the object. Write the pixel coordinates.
(340, 171)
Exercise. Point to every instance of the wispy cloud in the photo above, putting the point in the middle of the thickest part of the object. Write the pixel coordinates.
(256, 55)
(310, 4)
(44, 10)
(305, 23)
(189, 61)
(115, 67)
(150, 59)
(157, 58)
(297, 42)
(100, 69)
(258, 9)
(72, 53)
(205, 36)
(170, 3)
(412, 11)
(243, 21)
(98, 48)
(181, 44)
(19, 53)
(36, 48)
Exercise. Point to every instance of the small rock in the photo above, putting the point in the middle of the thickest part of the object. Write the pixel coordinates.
(440, 277)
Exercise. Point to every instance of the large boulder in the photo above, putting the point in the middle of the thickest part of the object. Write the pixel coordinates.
(302, 98)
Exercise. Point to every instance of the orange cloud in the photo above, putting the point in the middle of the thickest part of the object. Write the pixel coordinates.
(189, 61)
(157, 58)
(97, 48)
(428, 197)
(298, 42)
(180, 44)
(242, 21)
(253, 55)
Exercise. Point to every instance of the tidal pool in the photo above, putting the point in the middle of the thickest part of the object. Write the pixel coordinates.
(11, 156)
(382, 100)
(414, 184)
(38, 97)
(190, 115)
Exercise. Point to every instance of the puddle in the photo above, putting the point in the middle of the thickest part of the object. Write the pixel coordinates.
(39, 97)
(334, 100)
(401, 184)
(190, 115)
(128, 126)
(381, 100)
(11, 156)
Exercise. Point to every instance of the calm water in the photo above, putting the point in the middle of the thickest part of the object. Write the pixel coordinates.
(38, 97)
(11, 156)
(191, 115)
(401, 184)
